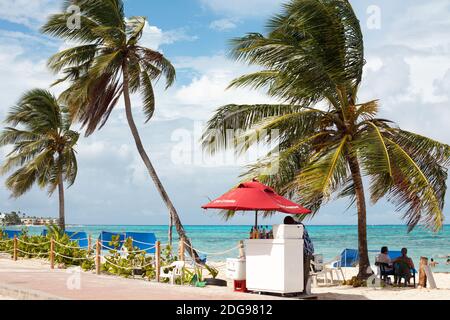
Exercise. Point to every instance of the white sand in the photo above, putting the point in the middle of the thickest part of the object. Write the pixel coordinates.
(336, 292)
(339, 292)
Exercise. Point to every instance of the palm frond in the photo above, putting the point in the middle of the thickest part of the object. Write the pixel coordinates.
(148, 96)
(416, 189)
(239, 117)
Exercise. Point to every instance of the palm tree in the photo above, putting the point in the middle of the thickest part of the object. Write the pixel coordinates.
(109, 63)
(312, 61)
(43, 146)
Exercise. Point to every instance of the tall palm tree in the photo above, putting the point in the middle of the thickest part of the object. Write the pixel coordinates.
(312, 60)
(109, 63)
(43, 146)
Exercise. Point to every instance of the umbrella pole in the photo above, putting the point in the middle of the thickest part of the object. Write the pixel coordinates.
(256, 220)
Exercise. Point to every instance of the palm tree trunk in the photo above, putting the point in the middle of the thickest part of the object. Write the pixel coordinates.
(151, 170)
(61, 220)
(169, 235)
(362, 224)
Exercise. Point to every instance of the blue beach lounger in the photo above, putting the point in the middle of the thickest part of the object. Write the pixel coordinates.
(349, 258)
(143, 241)
(79, 236)
(106, 238)
(11, 233)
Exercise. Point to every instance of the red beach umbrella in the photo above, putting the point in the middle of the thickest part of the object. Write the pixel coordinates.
(254, 195)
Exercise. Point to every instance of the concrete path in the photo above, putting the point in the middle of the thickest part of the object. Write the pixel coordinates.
(33, 279)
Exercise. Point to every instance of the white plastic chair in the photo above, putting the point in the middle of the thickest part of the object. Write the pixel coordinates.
(175, 272)
(325, 269)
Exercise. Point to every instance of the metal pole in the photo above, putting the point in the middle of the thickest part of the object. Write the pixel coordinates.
(256, 220)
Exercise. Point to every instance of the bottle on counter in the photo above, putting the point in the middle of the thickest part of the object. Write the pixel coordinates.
(251, 233)
(270, 234)
(263, 233)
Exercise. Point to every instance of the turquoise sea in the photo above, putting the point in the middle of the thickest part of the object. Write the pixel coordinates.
(328, 240)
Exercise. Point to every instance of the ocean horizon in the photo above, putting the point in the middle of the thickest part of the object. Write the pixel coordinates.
(329, 240)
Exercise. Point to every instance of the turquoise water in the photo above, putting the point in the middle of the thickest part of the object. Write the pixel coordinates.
(328, 240)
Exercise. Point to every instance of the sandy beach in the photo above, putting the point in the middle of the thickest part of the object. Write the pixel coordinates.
(33, 279)
(340, 292)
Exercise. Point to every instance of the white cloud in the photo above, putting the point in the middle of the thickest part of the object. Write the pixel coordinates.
(423, 26)
(153, 37)
(30, 13)
(223, 24)
(442, 86)
(206, 89)
(18, 74)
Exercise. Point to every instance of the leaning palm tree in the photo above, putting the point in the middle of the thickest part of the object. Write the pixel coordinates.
(43, 146)
(312, 61)
(109, 62)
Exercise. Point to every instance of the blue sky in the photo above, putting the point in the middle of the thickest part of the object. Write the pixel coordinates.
(408, 69)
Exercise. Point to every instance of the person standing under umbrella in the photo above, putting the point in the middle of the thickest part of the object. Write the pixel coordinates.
(308, 251)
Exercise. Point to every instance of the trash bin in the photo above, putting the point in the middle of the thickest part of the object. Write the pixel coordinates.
(236, 272)
(236, 269)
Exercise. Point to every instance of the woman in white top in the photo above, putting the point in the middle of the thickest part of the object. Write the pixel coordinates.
(383, 257)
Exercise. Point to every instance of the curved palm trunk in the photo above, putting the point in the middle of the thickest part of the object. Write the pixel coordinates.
(62, 219)
(362, 225)
(151, 170)
(170, 231)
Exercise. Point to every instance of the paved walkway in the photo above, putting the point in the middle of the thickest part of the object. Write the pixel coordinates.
(33, 279)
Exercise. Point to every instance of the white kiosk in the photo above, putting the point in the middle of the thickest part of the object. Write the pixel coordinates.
(276, 265)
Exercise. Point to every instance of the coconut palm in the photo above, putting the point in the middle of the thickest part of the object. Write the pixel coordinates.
(43, 146)
(312, 61)
(109, 63)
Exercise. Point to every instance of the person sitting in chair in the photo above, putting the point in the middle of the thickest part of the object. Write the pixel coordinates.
(403, 266)
(383, 257)
(385, 263)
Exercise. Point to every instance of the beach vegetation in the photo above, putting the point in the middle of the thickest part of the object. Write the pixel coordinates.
(109, 62)
(43, 147)
(311, 60)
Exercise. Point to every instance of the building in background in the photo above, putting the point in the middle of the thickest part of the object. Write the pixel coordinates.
(38, 221)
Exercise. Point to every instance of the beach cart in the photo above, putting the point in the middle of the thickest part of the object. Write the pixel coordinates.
(272, 265)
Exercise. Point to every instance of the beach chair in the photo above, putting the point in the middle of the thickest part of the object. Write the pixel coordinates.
(325, 269)
(11, 233)
(79, 236)
(106, 237)
(143, 241)
(383, 272)
(319, 270)
(174, 270)
(396, 254)
(348, 258)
